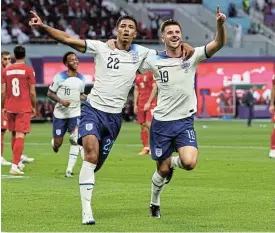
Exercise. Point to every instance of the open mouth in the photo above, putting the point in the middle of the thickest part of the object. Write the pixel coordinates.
(175, 40)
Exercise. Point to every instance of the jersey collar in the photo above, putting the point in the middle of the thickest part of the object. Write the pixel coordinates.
(163, 54)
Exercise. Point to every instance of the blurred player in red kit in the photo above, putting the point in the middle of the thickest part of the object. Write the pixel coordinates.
(144, 103)
(18, 104)
(272, 111)
(5, 62)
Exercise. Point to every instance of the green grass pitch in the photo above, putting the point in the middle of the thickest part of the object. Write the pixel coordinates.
(231, 189)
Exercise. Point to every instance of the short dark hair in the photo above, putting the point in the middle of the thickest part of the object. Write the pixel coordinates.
(5, 53)
(19, 52)
(65, 57)
(168, 23)
(126, 17)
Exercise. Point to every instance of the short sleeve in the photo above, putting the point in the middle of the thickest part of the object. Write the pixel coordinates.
(200, 54)
(93, 46)
(82, 87)
(55, 84)
(145, 66)
(31, 76)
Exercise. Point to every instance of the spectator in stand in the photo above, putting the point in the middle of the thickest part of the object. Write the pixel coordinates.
(69, 14)
(237, 40)
(232, 11)
(19, 34)
(253, 29)
(246, 6)
(5, 36)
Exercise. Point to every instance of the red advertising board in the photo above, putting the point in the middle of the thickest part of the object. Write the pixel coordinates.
(52, 68)
(214, 77)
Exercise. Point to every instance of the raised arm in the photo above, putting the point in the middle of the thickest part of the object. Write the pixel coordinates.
(58, 35)
(220, 40)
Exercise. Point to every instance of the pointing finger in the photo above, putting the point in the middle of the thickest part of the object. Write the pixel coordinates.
(32, 12)
(218, 9)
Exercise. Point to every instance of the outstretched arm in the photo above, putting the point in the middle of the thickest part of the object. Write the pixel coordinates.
(58, 35)
(220, 40)
(187, 51)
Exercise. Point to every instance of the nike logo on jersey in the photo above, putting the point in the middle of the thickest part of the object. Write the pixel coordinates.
(160, 67)
(111, 54)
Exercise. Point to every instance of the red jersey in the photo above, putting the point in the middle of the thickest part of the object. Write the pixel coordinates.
(144, 83)
(18, 78)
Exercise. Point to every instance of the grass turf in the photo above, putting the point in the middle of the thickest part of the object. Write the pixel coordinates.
(231, 189)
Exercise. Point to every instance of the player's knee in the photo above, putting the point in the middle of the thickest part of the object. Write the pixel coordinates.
(163, 169)
(19, 135)
(91, 148)
(190, 164)
(57, 142)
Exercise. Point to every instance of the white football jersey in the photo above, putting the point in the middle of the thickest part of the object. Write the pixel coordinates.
(115, 72)
(68, 88)
(176, 84)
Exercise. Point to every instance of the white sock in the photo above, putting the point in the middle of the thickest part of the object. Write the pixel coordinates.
(82, 152)
(156, 188)
(175, 162)
(86, 185)
(74, 150)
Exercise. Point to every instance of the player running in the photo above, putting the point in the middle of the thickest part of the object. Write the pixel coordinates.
(272, 111)
(101, 117)
(18, 103)
(144, 102)
(67, 90)
(172, 126)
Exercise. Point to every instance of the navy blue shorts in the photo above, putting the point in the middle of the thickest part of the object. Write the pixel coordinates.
(105, 126)
(167, 137)
(61, 126)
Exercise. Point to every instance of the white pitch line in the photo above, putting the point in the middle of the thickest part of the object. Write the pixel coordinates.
(13, 177)
(139, 145)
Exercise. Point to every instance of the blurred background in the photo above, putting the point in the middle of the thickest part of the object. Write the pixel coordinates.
(247, 63)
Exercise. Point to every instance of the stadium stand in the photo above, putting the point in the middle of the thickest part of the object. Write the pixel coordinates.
(84, 19)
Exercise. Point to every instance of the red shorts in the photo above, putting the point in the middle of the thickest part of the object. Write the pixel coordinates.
(273, 117)
(19, 122)
(145, 116)
(4, 122)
